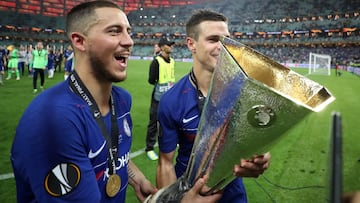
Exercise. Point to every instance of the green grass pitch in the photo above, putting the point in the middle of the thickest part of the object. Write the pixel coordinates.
(299, 165)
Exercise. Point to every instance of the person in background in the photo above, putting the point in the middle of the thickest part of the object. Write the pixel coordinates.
(337, 69)
(2, 63)
(29, 60)
(13, 62)
(69, 57)
(22, 59)
(180, 108)
(86, 157)
(59, 58)
(157, 50)
(51, 63)
(39, 65)
(162, 76)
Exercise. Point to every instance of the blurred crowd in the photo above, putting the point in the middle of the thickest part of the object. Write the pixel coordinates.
(285, 30)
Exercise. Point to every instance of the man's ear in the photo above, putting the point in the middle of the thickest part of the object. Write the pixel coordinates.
(190, 42)
(78, 41)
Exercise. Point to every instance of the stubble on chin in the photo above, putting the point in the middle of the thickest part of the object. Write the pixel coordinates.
(103, 74)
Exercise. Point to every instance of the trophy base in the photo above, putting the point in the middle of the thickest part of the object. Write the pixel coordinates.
(170, 194)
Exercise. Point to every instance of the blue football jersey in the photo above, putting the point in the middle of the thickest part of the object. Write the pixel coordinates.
(179, 117)
(59, 153)
(68, 55)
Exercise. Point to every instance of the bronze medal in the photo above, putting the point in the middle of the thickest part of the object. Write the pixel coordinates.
(113, 185)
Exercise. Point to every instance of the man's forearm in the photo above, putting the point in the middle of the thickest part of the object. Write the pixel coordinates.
(165, 175)
(135, 175)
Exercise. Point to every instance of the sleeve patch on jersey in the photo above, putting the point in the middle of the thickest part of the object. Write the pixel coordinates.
(62, 179)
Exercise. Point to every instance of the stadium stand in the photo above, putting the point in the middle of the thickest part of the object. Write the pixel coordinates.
(286, 30)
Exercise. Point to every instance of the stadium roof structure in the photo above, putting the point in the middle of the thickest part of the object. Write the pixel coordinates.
(61, 7)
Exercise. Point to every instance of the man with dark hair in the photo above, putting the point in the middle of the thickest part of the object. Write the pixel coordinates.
(180, 108)
(86, 157)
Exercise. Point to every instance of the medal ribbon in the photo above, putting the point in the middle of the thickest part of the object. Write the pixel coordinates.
(80, 89)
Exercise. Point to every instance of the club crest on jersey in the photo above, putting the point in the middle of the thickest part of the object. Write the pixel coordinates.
(62, 179)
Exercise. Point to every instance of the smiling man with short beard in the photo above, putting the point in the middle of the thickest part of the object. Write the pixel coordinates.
(86, 156)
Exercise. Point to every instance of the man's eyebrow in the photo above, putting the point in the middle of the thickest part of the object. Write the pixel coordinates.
(213, 36)
(119, 26)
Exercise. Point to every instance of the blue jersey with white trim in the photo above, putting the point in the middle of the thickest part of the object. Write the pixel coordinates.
(59, 153)
(69, 57)
(2, 58)
(179, 117)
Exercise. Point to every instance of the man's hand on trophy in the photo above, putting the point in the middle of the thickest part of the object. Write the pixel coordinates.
(253, 167)
(176, 193)
(194, 194)
(144, 189)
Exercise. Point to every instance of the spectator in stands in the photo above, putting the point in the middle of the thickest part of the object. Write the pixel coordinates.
(13, 62)
(39, 65)
(180, 108)
(77, 160)
(162, 76)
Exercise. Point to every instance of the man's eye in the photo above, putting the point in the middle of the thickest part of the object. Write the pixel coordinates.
(215, 39)
(114, 31)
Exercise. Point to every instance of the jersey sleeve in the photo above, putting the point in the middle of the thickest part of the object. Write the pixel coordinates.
(168, 135)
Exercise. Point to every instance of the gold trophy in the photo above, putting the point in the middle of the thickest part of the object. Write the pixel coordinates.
(252, 102)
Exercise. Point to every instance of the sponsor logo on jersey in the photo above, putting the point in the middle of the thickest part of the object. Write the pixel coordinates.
(97, 152)
(186, 120)
(122, 162)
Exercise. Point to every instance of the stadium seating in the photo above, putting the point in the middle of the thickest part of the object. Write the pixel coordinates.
(281, 28)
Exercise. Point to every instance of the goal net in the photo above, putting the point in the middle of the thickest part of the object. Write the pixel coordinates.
(319, 64)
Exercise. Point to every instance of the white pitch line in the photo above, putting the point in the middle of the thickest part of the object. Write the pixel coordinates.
(137, 153)
(132, 155)
(6, 176)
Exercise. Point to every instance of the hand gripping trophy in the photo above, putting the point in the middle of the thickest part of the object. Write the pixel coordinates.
(252, 102)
